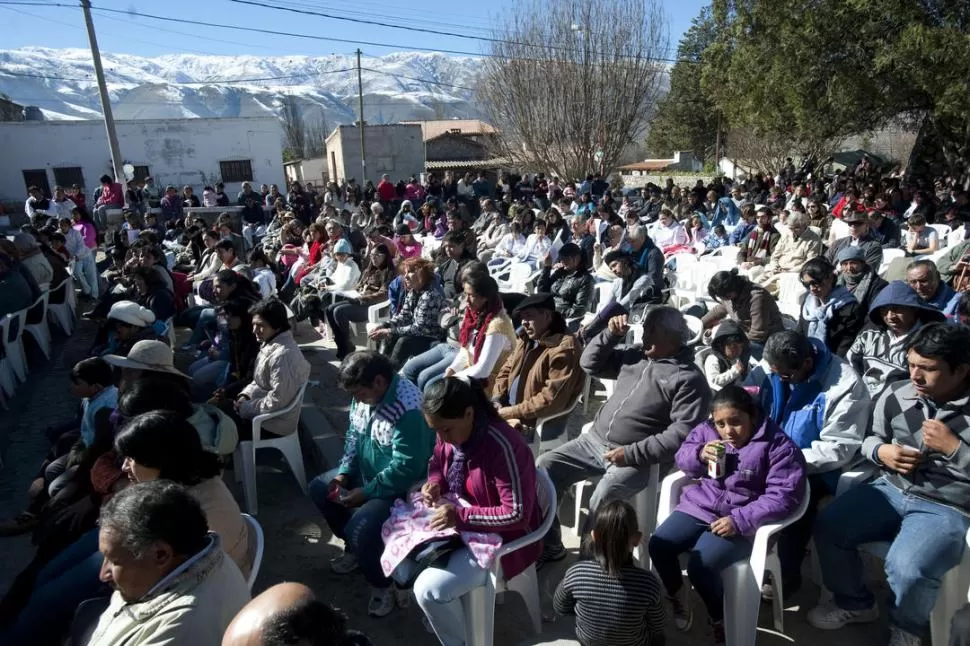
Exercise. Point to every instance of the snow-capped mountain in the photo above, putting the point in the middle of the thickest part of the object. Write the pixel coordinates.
(62, 84)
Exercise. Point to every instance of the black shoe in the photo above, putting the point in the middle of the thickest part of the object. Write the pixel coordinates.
(551, 554)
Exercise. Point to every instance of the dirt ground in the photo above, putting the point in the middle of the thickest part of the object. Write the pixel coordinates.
(299, 546)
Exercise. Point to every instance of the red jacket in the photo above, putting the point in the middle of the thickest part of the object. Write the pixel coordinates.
(112, 194)
(501, 487)
(386, 191)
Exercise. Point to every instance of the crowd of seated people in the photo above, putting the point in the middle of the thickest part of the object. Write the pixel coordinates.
(874, 371)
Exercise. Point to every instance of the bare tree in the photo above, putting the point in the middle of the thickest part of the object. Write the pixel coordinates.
(767, 152)
(294, 130)
(570, 78)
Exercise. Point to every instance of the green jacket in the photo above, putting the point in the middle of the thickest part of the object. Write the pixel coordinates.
(388, 446)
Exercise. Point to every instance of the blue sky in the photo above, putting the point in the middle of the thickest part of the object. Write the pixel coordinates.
(27, 25)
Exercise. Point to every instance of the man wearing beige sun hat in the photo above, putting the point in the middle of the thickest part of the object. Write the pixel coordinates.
(153, 362)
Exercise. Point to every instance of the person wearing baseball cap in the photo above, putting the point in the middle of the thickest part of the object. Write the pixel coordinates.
(859, 236)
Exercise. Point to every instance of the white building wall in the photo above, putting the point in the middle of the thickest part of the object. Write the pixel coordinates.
(397, 150)
(176, 151)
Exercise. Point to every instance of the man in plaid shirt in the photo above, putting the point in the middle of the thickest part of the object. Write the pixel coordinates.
(920, 503)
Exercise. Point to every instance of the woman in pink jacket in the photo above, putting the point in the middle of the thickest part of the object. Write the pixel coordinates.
(490, 467)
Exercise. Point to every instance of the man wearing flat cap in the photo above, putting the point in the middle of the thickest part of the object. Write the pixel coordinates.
(542, 376)
(859, 236)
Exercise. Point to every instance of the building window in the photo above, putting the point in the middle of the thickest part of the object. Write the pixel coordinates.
(37, 178)
(68, 176)
(240, 170)
(141, 172)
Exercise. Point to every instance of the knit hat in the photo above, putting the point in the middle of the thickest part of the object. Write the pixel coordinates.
(343, 246)
(850, 253)
(153, 356)
(131, 313)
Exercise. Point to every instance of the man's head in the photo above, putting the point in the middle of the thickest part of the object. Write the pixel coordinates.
(90, 376)
(789, 355)
(858, 223)
(366, 375)
(939, 361)
(105, 180)
(764, 217)
(924, 278)
(147, 530)
(454, 244)
(797, 224)
(538, 314)
(286, 614)
(621, 264)
(226, 252)
(664, 332)
(852, 261)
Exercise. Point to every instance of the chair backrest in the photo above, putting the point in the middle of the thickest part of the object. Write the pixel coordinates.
(255, 549)
(790, 289)
(942, 230)
(37, 311)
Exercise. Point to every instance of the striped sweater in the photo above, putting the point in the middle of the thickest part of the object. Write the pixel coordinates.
(500, 486)
(625, 610)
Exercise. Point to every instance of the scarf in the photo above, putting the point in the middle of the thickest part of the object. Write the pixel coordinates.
(458, 469)
(818, 314)
(474, 322)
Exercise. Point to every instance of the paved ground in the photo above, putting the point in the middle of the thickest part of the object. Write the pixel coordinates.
(298, 544)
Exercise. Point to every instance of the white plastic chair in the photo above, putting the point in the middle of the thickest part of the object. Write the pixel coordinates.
(943, 233)
(742, 581)
(8, 380)
(703, 274)
(62, 313)
(791, 294)
(256, 546)
(36, 322)
(520, 279)
(888, 255)
(244, 459)
(13, 330)
(538, 446)
(644, 502)
(696, 327)
(953, 585)
(479, 603)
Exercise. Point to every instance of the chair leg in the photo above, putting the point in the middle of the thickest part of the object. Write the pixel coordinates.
(479, 607)
(742, 601)
(578, 490)
(293, 453)
(773, 566)
(248, 464)
(527, 585)
(18, 360)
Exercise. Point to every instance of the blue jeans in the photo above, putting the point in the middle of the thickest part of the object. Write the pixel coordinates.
(71, 578)
(927, 540)
(206, 326)
(359, 528)
(86, 272)
(207, 375)
(438, 591)
(709, 554)
(429, 367)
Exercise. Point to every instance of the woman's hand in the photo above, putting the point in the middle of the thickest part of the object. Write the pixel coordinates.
(724, 527)
(378, 333)
(445, 517)
(708, 453)
(430, 492)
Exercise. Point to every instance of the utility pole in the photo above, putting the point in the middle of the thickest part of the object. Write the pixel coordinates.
(360, 108)
(109, 120)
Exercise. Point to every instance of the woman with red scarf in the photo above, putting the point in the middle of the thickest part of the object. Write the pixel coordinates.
(486, 335)
(317, 238)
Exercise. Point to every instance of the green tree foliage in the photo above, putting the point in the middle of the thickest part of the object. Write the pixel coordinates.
(686, 118)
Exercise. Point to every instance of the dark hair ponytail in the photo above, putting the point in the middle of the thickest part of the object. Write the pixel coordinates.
(613, 532)
(451, 396)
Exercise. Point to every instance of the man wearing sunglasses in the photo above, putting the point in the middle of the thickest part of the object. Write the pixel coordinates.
(859, 236)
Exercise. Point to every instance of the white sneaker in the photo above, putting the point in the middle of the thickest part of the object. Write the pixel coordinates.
(381, 602)
(345, 564)
(899, 637)
(829, 616)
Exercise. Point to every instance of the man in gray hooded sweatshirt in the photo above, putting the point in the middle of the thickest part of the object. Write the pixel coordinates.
(660, 395)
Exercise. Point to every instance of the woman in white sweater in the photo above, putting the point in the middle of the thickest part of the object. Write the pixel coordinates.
(344, 272)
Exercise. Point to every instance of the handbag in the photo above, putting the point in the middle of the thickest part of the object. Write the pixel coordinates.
(428, 554)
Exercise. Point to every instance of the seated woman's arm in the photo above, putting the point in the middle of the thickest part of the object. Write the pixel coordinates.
(424, 320)
(784, 489)
(411, 445)
(492, 348)
(287, 376)
(515, 501)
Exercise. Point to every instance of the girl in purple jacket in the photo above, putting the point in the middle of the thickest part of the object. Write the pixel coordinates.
(760, 479)
(488, 465)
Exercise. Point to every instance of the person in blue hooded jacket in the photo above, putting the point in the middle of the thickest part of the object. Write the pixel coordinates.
(879, 352)
(823, 406)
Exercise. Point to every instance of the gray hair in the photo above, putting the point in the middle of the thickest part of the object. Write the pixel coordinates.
(636, 232)
(798, 218)
(376, 208)
(669, 322)
(159, 511)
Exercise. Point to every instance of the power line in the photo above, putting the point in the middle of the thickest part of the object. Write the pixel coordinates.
(378, 23)
(420, 80)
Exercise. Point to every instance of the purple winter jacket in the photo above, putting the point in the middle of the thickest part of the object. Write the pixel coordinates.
(764, 480)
